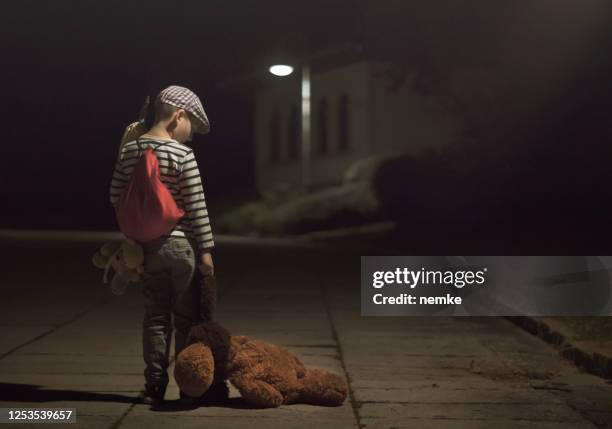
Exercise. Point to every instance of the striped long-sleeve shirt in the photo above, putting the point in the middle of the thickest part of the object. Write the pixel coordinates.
(179, 172)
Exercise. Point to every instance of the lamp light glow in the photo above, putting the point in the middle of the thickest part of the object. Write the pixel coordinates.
(281, 70)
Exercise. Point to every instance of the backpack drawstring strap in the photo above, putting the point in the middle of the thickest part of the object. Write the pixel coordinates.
(154, 148)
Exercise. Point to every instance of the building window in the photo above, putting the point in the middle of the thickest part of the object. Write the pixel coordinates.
(343, 123)
(294, 134)
(275, 144)
(322, 126)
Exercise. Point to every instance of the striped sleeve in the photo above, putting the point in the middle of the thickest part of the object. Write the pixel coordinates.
(118, 182)
(191, 190)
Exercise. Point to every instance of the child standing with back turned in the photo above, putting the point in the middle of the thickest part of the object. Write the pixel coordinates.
(171, 260)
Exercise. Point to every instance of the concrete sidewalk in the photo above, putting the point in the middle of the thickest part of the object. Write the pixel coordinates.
(66, 342)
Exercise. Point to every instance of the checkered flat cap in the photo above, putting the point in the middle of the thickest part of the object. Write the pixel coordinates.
(184, 98)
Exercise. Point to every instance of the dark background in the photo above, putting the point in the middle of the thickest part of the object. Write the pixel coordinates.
(75, 73)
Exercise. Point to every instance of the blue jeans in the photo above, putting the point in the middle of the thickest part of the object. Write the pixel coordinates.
(169, 290)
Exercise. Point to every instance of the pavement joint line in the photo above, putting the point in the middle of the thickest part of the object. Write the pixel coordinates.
(123, 416)
(334, 332)
(97, 305)
(117, 424)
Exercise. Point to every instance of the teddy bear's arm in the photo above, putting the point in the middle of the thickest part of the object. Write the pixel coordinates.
(257, 392)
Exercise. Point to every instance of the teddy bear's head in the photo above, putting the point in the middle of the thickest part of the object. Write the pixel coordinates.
(204, 359)
(217, 338)
(194, 369)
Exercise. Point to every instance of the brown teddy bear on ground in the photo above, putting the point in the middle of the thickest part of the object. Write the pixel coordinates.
(266, 375)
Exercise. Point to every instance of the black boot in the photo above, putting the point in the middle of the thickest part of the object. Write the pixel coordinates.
(217, 394)
(153, 395)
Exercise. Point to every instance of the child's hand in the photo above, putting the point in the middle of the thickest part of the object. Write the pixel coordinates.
(206, 265)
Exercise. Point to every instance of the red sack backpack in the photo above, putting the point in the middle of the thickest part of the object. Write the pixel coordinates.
(146, 208)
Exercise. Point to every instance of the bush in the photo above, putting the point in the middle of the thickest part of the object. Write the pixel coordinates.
(287, 210)
(246, 220)
(341, 206)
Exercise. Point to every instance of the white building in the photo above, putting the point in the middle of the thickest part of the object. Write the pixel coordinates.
(358, 111)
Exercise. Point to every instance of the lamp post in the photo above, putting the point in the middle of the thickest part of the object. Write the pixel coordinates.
(282, 70)
(345, 50)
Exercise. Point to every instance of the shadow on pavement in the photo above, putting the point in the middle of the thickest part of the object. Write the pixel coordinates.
(33, 393)
(14, 392)
(234, 403)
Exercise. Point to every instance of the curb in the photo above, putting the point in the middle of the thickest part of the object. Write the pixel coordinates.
(593, 363)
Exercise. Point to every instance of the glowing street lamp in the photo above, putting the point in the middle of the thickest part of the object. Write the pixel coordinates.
(281, 70)
(286, 70)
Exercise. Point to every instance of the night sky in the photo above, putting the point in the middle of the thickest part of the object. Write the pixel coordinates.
(76, 72)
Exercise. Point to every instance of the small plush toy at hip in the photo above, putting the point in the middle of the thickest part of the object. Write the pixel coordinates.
(265, 374)
(126, 258)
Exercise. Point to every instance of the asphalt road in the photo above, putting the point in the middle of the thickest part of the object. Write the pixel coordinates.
(65, 341)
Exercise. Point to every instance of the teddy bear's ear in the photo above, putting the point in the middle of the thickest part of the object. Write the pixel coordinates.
(194, 369)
